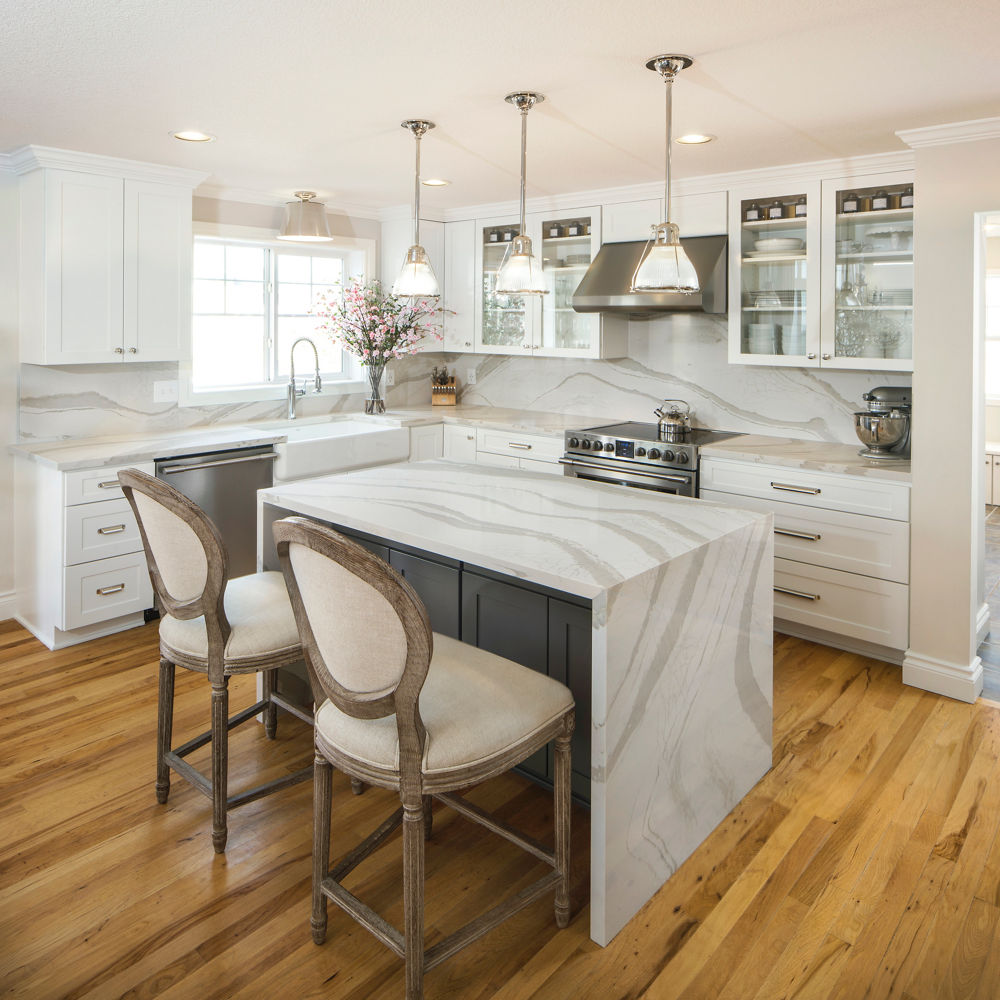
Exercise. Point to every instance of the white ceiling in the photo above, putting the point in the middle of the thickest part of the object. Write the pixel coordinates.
(310, 94)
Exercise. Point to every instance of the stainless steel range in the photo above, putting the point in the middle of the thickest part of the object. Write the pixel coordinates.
(635, 454)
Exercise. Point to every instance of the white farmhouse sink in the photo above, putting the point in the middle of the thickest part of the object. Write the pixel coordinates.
(319, 448)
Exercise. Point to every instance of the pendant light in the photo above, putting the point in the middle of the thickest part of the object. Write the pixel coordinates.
(665, 266)
(305, 220)
(417, 277)
(520, 273)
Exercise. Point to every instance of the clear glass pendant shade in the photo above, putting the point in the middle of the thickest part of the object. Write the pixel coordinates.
(416, 278)
(666, 266)
(520, 273)
(305, 221)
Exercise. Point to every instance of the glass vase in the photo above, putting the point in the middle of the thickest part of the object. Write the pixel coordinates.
(375, 403)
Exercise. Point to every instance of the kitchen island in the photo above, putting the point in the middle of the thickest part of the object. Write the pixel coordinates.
(677, 594)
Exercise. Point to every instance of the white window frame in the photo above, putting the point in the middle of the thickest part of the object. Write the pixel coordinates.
(360, 262)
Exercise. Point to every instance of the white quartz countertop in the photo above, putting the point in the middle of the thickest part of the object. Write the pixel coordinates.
(820, 456)
(580, 537)
(86, 453)
(533, 421)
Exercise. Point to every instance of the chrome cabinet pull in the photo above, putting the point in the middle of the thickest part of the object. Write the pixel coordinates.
(116, 589)
(112, 529)
(808, 536)
(518, 444)
(796, 489)
(110, 484)
(796, 593)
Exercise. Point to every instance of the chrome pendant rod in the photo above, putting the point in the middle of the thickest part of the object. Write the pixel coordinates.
(524, 158)
(418, 128)
(669, 80)
(668, 66)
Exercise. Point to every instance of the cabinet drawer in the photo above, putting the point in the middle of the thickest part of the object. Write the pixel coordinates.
(99, 530)
(535, 446)
(854, 494)
(845, 603)
(871, 546)
(108, 588)
(87, 485)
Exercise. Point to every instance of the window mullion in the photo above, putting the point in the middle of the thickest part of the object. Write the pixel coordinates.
(270, 297)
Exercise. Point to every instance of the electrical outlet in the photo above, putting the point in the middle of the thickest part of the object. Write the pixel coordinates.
(390, 377)
(165, 391)
(470, 376)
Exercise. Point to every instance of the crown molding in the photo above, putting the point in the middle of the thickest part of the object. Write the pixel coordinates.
(944, 135)
(29, 158)
(6, 167)
(705, 184)
(248, 196)
(401, 213)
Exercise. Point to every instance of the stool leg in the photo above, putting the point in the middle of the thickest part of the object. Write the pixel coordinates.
(271, 712)
(428, 817)
(220, 763)
(322, 804)
(413, 898)
(562, 819)
(164, 729)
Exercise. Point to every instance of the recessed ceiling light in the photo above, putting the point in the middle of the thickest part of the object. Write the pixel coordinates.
(695, 138)
(193, 135)
(435, 182)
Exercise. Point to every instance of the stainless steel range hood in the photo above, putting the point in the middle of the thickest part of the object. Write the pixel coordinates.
(605, 286)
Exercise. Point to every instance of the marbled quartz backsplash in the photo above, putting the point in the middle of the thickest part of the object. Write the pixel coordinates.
(683, 356)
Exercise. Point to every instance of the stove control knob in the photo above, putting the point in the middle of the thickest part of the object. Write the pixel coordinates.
(609, 447)
(668, 456)
(585, 444)
(640, 452)
(682, 457)
(574, 442)
(654, 453)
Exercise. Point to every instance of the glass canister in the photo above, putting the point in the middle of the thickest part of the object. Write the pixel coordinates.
(776, 210)
(553, 230)
(849, 204)
(906, 198)
(800, 208)
(752, 213)
(574, 229)
(880, 201)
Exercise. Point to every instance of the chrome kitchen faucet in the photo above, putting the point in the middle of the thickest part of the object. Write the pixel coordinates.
(294, 393)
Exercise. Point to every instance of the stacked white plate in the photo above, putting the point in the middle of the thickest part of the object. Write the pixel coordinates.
(776, 245)
(762, 338)
(793, 340)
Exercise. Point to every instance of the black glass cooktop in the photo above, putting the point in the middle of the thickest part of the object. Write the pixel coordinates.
(638, 431)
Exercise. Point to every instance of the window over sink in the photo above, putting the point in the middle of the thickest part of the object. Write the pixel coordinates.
(251, 300)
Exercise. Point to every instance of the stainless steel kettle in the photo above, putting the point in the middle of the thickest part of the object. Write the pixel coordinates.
(675, 424)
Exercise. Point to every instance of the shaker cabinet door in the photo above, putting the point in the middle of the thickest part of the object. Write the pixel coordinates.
(569, 662)
(436, 585)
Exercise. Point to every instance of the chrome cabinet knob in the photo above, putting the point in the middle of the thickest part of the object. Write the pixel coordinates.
(119, 350)
(811, 357)
(133, 350)
(826, 357)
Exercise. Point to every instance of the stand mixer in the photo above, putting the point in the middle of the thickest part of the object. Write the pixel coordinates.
(884, 428)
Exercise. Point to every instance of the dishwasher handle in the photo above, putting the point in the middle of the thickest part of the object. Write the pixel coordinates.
(168, 470)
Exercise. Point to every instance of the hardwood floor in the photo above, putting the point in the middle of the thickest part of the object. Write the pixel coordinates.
(865, 864)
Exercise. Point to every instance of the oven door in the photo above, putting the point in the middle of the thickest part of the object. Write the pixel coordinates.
(676, 481)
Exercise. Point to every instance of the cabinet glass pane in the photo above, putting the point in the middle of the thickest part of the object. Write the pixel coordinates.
(566, 255)
(874, 273)
(504, 316)
(774, 269)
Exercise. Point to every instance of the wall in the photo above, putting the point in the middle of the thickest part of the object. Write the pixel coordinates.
(8, 383)
(954, 183)
(94, 400)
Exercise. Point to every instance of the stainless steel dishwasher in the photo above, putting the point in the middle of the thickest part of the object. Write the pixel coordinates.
(224, 484)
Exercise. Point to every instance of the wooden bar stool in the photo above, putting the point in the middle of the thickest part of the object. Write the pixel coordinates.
(404, 708)
(216, 627)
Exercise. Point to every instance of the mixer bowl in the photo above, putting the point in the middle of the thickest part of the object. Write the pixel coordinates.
(880, 432)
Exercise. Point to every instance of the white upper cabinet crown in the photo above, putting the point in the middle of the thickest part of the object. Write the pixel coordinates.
(105, 261)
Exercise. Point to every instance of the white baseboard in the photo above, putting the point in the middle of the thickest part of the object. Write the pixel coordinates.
(982, 623)
(7, 606)
(964, 682)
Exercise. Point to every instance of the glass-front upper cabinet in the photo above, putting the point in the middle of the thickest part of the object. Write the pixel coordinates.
(868, 273)
(773, 303)
(505, 322)
(567, 247)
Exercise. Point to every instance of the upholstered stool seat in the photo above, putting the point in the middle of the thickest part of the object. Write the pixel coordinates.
(262, 623)
(476, 708)
(408, 709)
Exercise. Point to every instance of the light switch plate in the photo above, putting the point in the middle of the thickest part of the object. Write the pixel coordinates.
(470, 376)
(390, 376)
(165, 391)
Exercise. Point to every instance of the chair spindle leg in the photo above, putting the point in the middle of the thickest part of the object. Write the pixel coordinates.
(357, 786)
(220, 763)
(164, 729)
(428, 817)
(413, 898)
(322, 805)
(562, 820)
(271, 712)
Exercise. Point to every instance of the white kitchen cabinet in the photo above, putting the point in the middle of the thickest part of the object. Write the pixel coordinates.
(460, 285)
(426, 442)
(841, 545)
(105, 268)
(565, 243)
(459, 443)
(843, 297)
(988, 479)
(994, 480)
(79, 565)
(630, 221)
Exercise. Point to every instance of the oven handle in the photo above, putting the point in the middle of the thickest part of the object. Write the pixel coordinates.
(632, 472)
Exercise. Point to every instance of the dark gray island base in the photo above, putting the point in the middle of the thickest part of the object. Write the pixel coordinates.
(543, 629)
